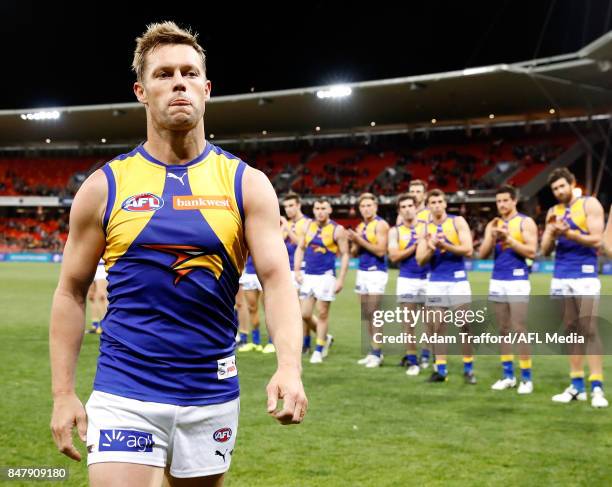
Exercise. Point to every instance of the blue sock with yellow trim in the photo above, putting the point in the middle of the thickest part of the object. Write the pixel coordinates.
(425, 354)
(508, 366)
(306, 342)
(441, 367)
(95, 324)
(596, 381)
(578, 380)
(269, 339)
(320, 345)
(255, 337)
(468, 365)
(244, 338)
(375, 351)
(525, 366)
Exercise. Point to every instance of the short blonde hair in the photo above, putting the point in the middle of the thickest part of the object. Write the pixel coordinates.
(367, 196)
(159, 34)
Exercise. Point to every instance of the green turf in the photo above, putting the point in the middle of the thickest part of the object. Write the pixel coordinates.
(364, 428)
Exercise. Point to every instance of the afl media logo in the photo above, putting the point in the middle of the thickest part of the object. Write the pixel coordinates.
(143, 202)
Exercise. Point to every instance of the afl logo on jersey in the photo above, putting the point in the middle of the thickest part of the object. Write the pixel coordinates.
(143, 202)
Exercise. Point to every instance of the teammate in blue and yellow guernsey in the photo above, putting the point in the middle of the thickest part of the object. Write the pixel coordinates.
(574, 229)
(253, 294)
(369, 243)
(417, 188)
(513, 237)
(446, 243)
(318, 247)
(412, 279)
(173, 220)
(294, 227)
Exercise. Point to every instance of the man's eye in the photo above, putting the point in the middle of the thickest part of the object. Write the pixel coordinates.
(192, 74)
(163, 75)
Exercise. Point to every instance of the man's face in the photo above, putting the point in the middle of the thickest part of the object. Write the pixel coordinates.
(174, 87)
(321, 211)
(368, 209)
(417, 191)
(437, 205)
(562, 190)
(505, 203)
(291, 208)
(407, 210)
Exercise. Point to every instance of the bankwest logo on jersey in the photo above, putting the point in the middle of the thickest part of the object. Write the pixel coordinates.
(143, 202)
(197, 202)
(125, 440)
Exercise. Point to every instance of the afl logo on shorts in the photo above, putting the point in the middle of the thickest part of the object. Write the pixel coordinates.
(143, 202)
(222, 435)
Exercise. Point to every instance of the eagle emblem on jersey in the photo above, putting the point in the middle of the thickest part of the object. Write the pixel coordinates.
(189, 258)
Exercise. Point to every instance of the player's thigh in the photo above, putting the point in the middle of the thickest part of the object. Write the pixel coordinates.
(307, 305)
(208, 481)
(101, 289)
(120, 474)
(91, 291)
(252, 298)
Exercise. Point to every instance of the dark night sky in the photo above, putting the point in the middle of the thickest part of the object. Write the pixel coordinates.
(60, 53)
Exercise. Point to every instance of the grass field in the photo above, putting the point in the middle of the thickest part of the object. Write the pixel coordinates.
(365, 427)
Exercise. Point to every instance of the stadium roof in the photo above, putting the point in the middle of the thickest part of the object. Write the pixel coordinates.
(577, 84)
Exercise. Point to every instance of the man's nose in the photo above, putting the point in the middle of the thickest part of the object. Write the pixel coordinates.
(178, 82)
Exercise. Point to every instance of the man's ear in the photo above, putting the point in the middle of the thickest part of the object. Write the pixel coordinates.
(207, 89)
(140, 92)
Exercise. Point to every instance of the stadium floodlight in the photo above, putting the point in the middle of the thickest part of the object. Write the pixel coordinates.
(335, 91)
(42, 115)
(48, 141)
(372, 124)
(491, 116)
(552, 111)
(317, 128)
(434, 121)
(103, 140)
(577, 192)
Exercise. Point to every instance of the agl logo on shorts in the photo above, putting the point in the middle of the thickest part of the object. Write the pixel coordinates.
(222, 435)
(125, 440)
(143, 202)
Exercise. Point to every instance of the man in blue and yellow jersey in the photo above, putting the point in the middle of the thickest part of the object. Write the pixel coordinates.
(412, 279)
(574, 229)
(318, 247)
(253, 293)
(417, 188)
(369, 243)
(173, 220)
(294, 227)
(98, 298)
(514, 238)
(445, 245)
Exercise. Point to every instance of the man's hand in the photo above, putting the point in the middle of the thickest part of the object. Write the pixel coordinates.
(432, 241)
(351, 234)
(500, 233)
(339, 286)
(286, 384)
(68, 412)
(299, 277)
